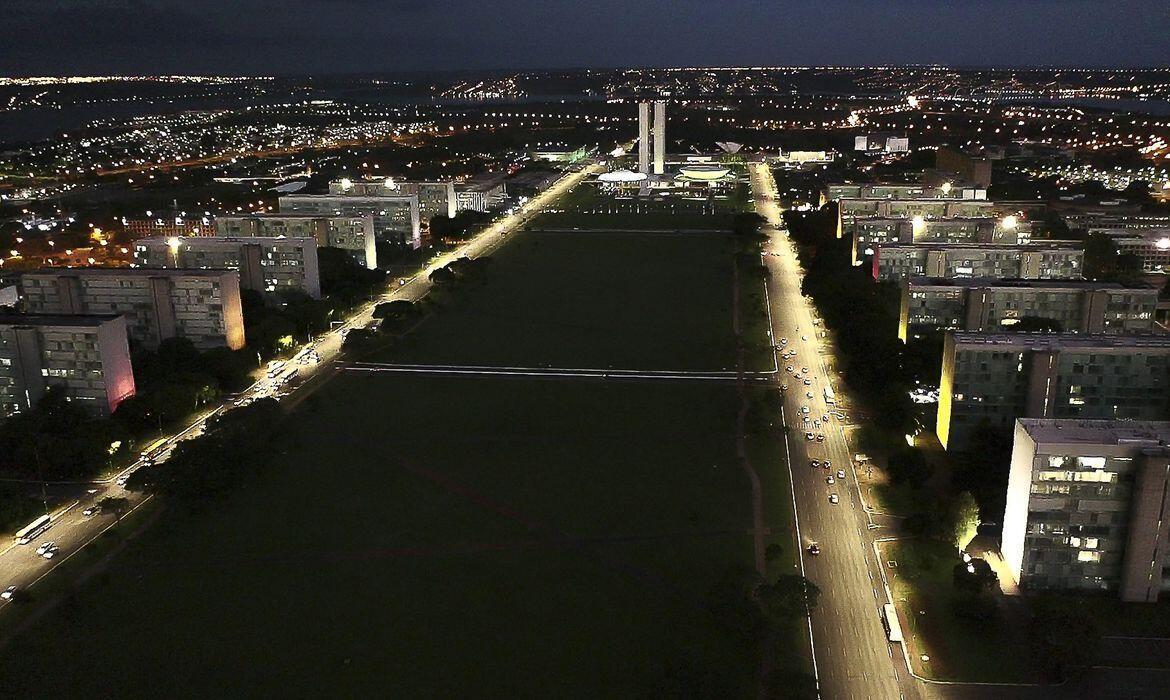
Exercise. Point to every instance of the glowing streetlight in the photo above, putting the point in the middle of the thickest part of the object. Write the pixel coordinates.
(173, 243)
(1162, 244)
(946, 188)
(918, 225)
(346, 183)
(1010, 222)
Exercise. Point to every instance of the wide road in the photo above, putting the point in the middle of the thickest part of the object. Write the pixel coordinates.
(72, 530)
(853, 657)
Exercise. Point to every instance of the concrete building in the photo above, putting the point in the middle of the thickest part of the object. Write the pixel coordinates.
(397, 217)
(9, 295)
(868, 233)
(659, 137)
(434, 198)
(266, 265)
(1051, 260)
(644, 138)
(851, 209)
(481, 194)
(882, 143)
(993, 305)
(202, 306)
(353, 234)
(992, 379)
(88, 356)
(965, 167)
(885, 190)
(168, 224)
(1151, 245)
(1086, 507)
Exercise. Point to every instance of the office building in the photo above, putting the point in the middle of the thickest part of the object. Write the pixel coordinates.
(990, 379)
(869, 233)
(979, 304)
(88, 356)
(434, 198)
(850, 209)
(397, 217)
(168, 224)
(353, 234)
(1051, 260)
(644, 138)
(659, 137)
(481, 194)
(202, 306)
(881, 143)
(1150, 245)
(9, 295)
(965, 167)
(266, 265)
(1086, 507)
(887, 190)
(652, 138)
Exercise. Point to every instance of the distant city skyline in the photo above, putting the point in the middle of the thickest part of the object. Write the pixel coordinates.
(340, 36)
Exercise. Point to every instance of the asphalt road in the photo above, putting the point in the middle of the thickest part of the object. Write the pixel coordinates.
(72, 531)
(853, 657)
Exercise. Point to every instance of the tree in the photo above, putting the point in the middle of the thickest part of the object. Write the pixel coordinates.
(789, 597)
(442, 277)
(908, 466)
(974, 577)
(962, 520)
(118, 505)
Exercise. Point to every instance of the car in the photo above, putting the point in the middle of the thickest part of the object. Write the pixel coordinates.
(807, 381)
(44, 548)
(816, 424)
(783, 387)
(51, 552)
(814, 549)
(789, 368)
(784, 341)
(830, 480)
(804, 370)
(833, 499)
(827, 464)
(820, 437)
(809, 436)
(804, 409)
(808, 394)
(8, 593)
(804, 338)
(816, 463)
(121, 481)
(825, 419)
(91, 511)
(840, 473)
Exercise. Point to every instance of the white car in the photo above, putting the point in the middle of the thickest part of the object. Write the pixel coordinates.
(789, 368)
(8, 593)
(808, 436)
(825, 418)
(816, 464)
(830, 480)
(783, 387)
(804, 338)
(828, 464)
(833, 499)
(808, 394)
(51, 552)
(121, 481)
(820, 437)
(840, 473)
(91, 511)
(807, 381)
(44, 548)
(804, 409)
(804, 370)
(784, 341)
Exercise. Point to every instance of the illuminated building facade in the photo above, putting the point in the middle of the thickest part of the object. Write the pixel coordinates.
(993, 305)
(1150, 245)
(900, 262)
(868, 233)
(266, 265)
(990, 379)
(1086, 507)
(353, 234)
(397, 217)
(850, 209)
(202, 306)
(88, 356)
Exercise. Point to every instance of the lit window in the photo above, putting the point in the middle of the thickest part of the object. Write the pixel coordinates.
(1088, 556)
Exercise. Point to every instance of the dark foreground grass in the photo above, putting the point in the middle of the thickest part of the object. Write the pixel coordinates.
(592, 300)
(463, 537)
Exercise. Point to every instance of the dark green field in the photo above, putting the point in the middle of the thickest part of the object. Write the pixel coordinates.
(433, 536)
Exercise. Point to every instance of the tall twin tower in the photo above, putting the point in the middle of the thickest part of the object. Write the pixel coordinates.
(658, 146)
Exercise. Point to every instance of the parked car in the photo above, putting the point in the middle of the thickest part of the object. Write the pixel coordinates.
(833, 499)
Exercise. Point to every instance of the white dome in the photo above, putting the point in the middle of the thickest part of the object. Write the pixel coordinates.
(621, 176)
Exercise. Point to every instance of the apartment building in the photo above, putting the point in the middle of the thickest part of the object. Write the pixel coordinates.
(353, 234)
(991, 379)
(980, 304)
(267, 265)
(1050, 260)
(1150, 245)
(397, 217)
(202, 306)
(1086, 507)
(88, 356)
(850, 209)
(869, 233)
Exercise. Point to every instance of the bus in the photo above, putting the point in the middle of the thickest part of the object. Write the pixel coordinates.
(152, 447)
(33, 530)
(890, 617)
(830, 399)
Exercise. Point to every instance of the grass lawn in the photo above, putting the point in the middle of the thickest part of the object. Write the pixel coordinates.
(592, 300)
(465, 537)
(924, 595)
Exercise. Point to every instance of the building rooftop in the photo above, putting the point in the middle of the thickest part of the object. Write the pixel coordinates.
(213, 241)
(1033, 245)
(293, 215)
(1061, 341)
(74, 320)
(1097, 432)
(1012, 283)
(354, 197)
(126, 272)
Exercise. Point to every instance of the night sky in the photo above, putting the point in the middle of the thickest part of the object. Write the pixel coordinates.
(85, 37)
